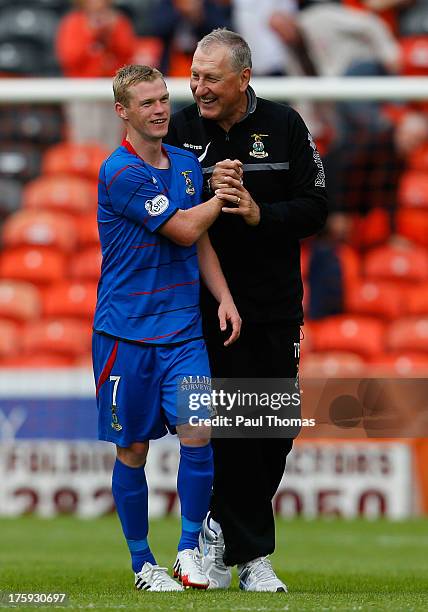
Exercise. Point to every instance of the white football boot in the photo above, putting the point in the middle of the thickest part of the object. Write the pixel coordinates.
(258, 575)
(188, 569)
(155, 578)
(211, 545)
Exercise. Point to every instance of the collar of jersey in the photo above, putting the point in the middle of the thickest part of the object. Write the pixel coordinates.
(252, 102)
(128, 146)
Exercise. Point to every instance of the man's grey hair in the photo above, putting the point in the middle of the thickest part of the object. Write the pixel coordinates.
(240, 52)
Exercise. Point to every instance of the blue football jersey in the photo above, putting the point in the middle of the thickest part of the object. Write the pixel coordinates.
(149, 286)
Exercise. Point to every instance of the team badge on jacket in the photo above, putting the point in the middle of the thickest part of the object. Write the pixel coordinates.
(190, 190)
(258, 146)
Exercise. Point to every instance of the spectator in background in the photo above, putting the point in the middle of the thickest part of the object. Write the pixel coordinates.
(387, 10)
(361, 162)
(94, 40)
(338, 38)
(270, 50)
(180, 24)
(340, 41)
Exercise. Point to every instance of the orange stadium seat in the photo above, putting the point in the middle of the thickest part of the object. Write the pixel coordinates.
(19, 301)
(372, 229)
(59, 336)
(87, 264)
(87, 229)
(400, 364)
(413, 225)
(40, 228)
(397, 262)
(332, 364)
(84, 360)
(413, 190)
(38, 360)
(350, 334)
(9, 338)
(376, 298)
(33, 264)
(70, 299)
(69, 194)
(416, 300)
(67, 158)
(414, 55)
(408, 334)
(418, 159)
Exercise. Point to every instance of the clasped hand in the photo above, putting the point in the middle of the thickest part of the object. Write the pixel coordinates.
(227, 183)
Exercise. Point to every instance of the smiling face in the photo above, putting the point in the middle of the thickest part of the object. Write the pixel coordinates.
(148, 110)
(218, 89)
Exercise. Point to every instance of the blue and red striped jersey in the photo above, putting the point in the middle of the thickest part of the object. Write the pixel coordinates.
(149, 286)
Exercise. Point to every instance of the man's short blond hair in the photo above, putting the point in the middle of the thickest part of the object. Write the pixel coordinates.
(127, 76)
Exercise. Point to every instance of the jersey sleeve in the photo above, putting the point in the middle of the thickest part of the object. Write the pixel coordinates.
(135, 194)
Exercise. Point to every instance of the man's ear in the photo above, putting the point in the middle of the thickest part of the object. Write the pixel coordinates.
(121, 111)
(245, 79)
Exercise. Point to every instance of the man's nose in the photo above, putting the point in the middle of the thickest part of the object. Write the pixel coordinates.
(201, 88)
(158, 107)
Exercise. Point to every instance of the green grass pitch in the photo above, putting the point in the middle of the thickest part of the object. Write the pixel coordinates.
(327, 564)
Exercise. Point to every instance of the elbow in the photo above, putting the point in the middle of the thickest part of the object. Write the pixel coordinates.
(182, 230)
(312, 226)
(321, 221)
(186, 238)
(188, 234)
(184, 242)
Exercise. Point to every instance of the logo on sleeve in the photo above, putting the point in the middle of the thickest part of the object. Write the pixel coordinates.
(320, 179)
(157, 206)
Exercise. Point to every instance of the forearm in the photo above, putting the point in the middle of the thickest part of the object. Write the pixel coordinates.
(187, 226)
(210, 269)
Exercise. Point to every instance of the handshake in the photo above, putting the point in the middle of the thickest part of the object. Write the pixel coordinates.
(227, 182)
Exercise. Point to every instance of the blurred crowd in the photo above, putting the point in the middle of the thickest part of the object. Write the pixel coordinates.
(375, 154)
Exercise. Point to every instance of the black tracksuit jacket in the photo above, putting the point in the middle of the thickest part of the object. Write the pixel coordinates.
(284, 175)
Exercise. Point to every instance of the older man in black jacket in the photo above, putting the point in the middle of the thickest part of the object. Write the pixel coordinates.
(260, 158)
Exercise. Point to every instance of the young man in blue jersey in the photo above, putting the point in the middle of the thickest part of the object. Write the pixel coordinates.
(147, 328)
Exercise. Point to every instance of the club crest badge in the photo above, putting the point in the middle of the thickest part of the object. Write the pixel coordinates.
(258, 146)
(114, 420)
(190, 189)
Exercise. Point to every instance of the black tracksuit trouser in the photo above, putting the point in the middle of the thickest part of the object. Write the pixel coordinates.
(247, 472)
